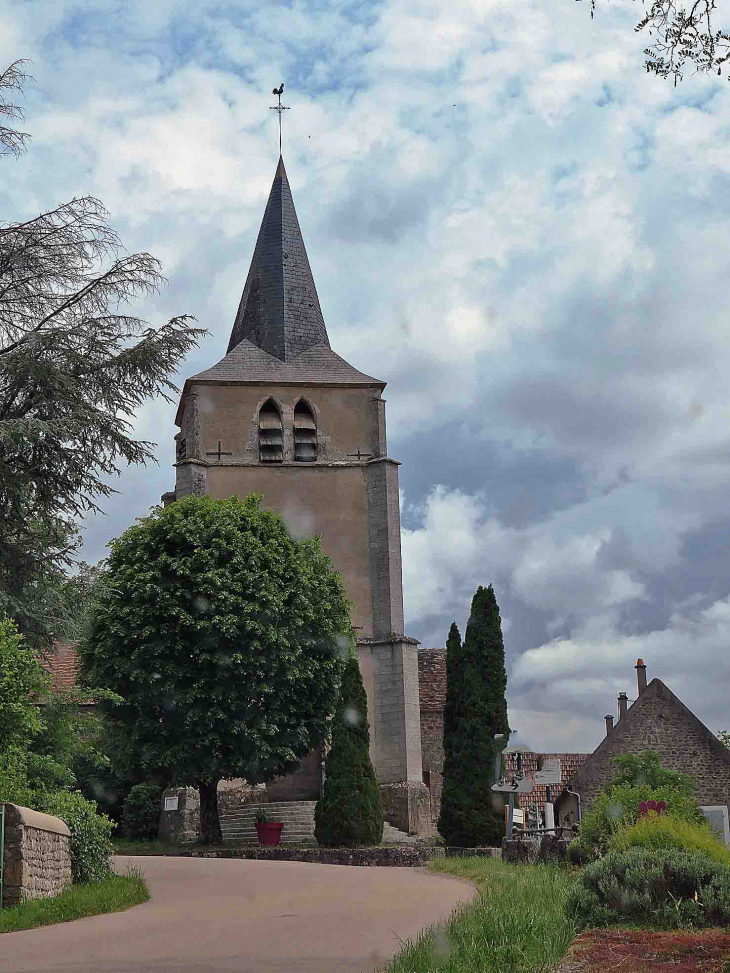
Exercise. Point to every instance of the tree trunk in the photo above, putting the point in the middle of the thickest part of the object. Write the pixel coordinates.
(210, 825)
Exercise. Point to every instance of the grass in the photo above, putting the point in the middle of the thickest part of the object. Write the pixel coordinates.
(124, 847)
(515, 924)
(113, 894)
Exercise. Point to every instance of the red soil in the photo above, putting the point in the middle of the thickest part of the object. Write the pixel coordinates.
(641, 951)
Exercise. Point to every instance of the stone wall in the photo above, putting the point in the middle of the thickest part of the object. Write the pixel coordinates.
(181, 825)
(432, 693)
(37, 857)
(658, 721)
(393, 857)
(407, 807)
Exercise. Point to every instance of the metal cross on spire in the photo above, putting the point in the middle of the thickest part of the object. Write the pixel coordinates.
(279, 108)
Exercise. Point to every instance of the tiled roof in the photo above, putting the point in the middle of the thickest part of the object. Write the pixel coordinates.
(279, 309)
(62, 664)
(569, 765)
(316, 364)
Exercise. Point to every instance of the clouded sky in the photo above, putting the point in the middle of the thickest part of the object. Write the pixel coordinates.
(508, 221)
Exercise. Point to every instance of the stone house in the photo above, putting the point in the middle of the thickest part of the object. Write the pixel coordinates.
(656, 720)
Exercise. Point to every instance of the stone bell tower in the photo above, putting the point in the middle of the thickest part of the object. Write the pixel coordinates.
(283, 415)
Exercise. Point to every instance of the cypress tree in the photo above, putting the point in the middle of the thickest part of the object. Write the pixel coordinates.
(350, 812)
(476, 709)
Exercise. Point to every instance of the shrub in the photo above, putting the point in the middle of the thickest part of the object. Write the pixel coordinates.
(667, 889)
(141, 815)
(616, 807)
(659, 832)
(91, 848)
(580, 853)
(350, 812)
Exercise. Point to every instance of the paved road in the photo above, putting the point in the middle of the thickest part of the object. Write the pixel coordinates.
(230, 916)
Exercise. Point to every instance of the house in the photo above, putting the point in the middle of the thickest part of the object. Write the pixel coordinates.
(656, 720)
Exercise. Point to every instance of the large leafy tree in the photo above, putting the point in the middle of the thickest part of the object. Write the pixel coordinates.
(681, 34)
(224, 637)
(350, 811)
(75, 365)
(45, 738)
(475, 715)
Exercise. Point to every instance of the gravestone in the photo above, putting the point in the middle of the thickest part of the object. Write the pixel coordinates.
(717, 818)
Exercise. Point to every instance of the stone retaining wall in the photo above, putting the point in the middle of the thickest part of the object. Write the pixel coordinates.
(403, 857)
(37, 857)
(393, 857)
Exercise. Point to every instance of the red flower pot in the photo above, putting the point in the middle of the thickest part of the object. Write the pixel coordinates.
(269, 833)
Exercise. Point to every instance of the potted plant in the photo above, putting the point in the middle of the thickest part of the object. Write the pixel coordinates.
(269, 832)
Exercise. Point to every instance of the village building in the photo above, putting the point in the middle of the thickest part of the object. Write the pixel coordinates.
(656, 720)
(432, 683)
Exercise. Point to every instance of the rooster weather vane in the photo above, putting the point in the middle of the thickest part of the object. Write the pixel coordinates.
(279, 108)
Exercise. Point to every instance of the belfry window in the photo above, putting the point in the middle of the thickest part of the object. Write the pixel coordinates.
(305, 434)
(271, 437)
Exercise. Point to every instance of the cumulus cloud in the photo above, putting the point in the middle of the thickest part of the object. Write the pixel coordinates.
(510, 223)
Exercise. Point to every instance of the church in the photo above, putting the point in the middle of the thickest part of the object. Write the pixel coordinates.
(281, 414)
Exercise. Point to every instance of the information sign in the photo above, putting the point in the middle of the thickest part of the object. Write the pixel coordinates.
(524, 786)
(171, 803)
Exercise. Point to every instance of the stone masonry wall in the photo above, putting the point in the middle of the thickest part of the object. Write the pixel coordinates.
(37, 857)
(658, 721)
(432, 693)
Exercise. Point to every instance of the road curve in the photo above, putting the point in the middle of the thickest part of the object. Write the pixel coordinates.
(234, 916)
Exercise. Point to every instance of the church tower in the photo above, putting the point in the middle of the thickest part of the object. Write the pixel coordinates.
(283, 415)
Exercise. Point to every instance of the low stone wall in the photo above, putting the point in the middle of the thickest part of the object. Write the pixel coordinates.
(528, 850)
(389, 857)
(234, 794)
(453, 852)
(37, 859)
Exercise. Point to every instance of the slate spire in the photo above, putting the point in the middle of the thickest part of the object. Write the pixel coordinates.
(279, 310)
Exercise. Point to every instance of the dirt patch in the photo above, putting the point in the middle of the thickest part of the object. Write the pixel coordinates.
(642, 951)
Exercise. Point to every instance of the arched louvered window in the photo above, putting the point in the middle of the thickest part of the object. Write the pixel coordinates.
(271, 435)
(305, 434)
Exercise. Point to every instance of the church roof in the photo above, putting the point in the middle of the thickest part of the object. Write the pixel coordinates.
(317, 364)
(279, 310)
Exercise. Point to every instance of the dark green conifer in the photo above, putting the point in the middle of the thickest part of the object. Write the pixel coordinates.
(350, 812)
(475, 711)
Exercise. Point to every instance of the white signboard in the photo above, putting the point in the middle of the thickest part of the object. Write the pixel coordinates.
(523, 786)
(717, 818)
(171, 803)
(549, 817)
(550, 773)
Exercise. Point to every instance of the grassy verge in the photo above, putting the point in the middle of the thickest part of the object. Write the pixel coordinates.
(114, 894)
(515, 924)
(123, 847)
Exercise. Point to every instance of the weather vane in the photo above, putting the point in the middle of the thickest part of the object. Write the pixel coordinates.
(279, 108)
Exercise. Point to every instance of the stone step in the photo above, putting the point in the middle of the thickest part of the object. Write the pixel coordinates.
(239, 824)
(272, 805)
(281, 813)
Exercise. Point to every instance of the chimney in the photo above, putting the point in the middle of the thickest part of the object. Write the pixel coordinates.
(609, 724)
(640, 675)
(623, 705)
